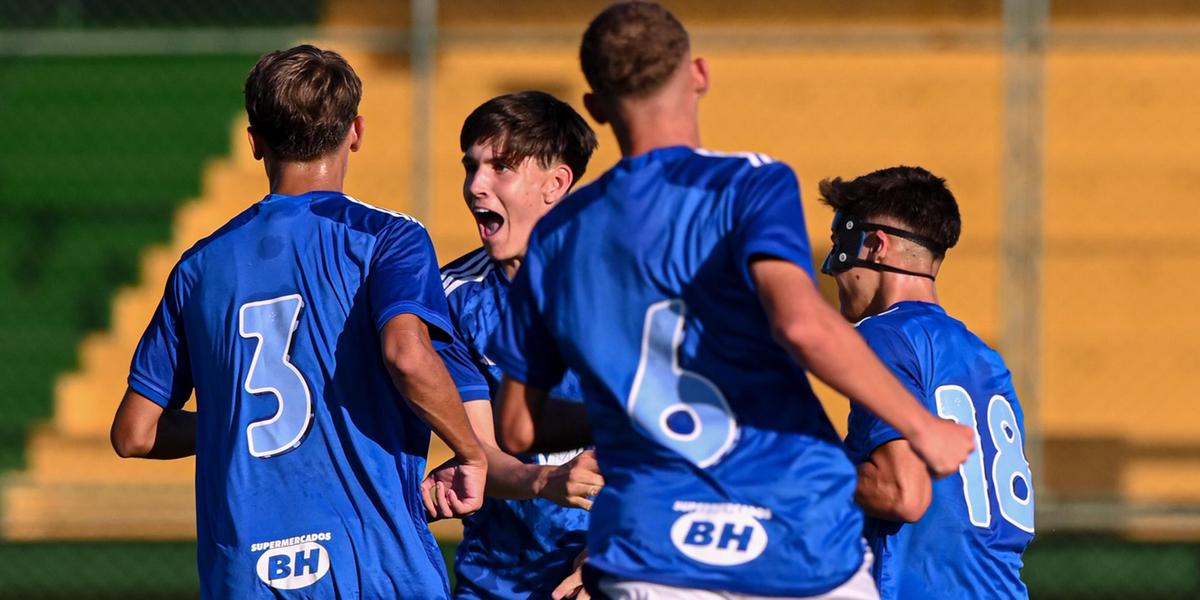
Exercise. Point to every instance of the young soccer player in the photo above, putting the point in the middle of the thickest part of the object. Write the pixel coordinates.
(891, 231)
(521, 154)
(679, 286)
(307, 326)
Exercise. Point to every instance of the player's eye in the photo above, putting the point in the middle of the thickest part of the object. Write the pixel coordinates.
(501, 167)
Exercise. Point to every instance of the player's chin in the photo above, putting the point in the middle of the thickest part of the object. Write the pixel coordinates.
(497, 246)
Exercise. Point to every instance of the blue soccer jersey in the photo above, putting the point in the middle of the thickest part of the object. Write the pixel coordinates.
(308, 460)
(722, 470)
(510, 548)
(969, 542)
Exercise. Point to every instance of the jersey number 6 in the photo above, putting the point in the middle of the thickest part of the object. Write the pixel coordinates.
(679, 409)
(273, 323)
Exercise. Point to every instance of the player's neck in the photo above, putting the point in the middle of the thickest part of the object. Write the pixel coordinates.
(296, 178)
(649, 125)
(896, 287)
(511, 266)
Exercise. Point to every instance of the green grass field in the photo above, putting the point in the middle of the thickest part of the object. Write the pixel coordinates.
(1057, 568)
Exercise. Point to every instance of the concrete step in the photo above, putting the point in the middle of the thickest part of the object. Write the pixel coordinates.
(58, 459)
(97, 510)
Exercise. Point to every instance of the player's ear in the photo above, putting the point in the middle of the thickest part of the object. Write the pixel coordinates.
(255, 146)
(357, 127)
(557, 183)
(700, 75)
(877, 245)
(595, 108)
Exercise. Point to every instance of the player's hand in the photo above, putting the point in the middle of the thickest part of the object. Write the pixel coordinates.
(453, 490)
(575, 483)
(943, 445)
(572, 586)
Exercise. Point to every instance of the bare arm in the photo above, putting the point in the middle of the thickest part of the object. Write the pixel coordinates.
(894, 484)
(507, 476)
(143, 429)
(571, 484)
(420, 375)
(529, 420)
(818, 337)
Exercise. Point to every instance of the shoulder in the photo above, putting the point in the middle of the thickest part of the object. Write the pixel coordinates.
(364, 217)
(894, 331)
(192, 254)
(464, 273)
(748, 166)
(920, 326)
(747, 178)
(568, 208)
(752, 160)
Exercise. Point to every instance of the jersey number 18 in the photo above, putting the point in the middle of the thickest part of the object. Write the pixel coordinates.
(1008, 467)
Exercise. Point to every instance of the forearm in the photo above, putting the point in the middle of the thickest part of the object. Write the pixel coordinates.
(144, 429)
(175, 436)
(877, 496)
(432, 395)
(831, 345)
(421, 378)
(893, 483)
(512, 479)
(820, 339)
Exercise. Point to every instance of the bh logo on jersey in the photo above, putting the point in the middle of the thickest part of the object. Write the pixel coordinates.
(720, 534)
(289, 567)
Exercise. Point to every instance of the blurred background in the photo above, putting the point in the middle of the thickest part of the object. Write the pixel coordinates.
(1068, 130)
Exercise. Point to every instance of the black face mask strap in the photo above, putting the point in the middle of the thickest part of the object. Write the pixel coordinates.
(908, 235)
(858, 262)
(921, 240)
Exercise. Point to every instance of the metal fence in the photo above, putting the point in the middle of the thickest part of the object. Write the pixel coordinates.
(1067, 131)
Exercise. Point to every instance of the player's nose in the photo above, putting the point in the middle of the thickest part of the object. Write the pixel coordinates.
(476, 186)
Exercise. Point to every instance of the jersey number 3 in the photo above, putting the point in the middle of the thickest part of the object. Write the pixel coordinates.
(1008, 467)
(679, 409)
(273, 323)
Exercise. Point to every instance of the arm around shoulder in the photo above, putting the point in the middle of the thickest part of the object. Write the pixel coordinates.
(817, 337)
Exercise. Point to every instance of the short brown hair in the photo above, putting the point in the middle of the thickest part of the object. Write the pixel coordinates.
(632, 48)
(302, 100)
(531, 124)
(912, 195)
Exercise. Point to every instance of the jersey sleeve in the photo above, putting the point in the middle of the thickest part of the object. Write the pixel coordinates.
(405, 279)
(467, 378)
(161, 370)
(522, 345)
(769, 220)
(865, 431)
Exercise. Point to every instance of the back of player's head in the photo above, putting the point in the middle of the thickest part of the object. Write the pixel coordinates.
(531, 125)
(911, 195)
(301, 101)
(631, 49)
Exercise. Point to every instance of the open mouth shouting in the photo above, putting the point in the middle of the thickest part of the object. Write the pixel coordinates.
(489, 222)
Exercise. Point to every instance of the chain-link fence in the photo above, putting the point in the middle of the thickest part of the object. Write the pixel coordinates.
(1071, 139)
